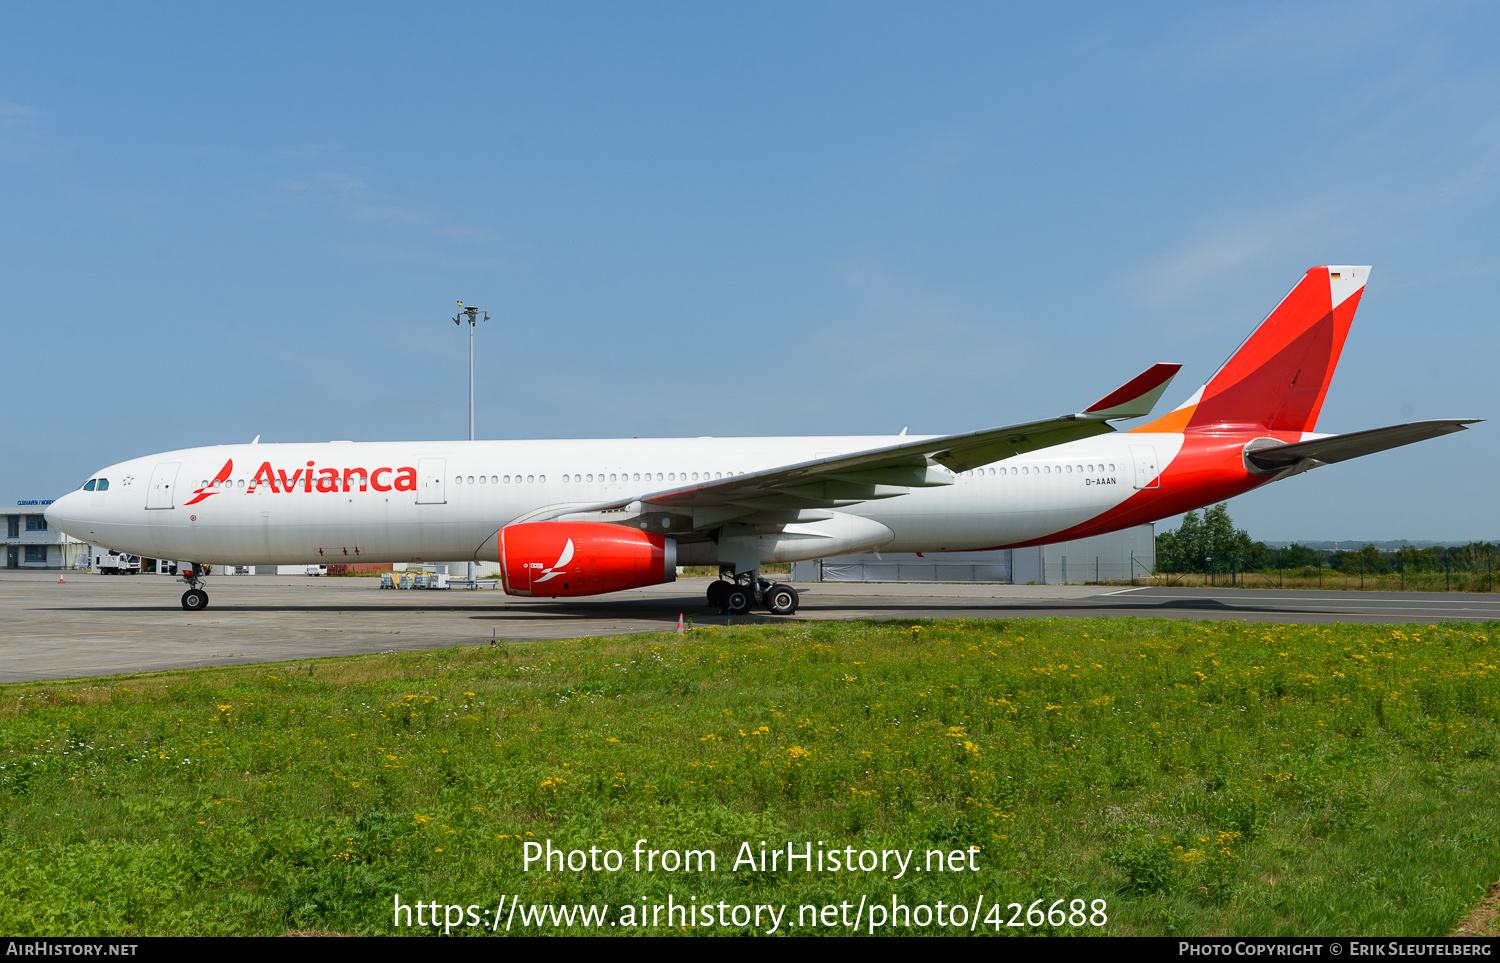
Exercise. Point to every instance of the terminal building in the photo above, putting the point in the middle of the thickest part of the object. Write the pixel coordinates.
(29, 543)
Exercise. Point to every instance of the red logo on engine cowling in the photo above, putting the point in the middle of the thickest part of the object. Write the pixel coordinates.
(582, 558)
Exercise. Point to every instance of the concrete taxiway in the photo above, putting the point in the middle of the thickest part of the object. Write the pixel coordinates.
(105, 625)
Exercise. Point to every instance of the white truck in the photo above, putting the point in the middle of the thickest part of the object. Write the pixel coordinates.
(107, 561)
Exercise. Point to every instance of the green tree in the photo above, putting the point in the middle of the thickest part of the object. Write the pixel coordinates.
(1413, 559)
(1374, 561)
(1474, 557)
(1369, 560)
(1299, 556)
(1213, 535)
(1182, 549)
(1218, 532)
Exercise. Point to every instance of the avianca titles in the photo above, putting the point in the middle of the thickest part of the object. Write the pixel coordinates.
(571, 518)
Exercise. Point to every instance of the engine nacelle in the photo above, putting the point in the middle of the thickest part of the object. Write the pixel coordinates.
(582, 558)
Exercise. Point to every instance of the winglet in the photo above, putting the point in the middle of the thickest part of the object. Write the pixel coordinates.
(1137, 397)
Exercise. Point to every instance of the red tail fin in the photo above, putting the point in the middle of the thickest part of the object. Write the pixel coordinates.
(1278, 378)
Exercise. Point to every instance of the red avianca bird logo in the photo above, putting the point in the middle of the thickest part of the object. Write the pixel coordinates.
(219, 479)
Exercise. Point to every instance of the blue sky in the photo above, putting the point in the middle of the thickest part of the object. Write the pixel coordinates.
(693, 219)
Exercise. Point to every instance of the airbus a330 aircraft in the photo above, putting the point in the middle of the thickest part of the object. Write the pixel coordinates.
(571, 518)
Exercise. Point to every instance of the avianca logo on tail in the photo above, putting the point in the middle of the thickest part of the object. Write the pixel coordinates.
(212, 487)
(557, 567)
(330, 480)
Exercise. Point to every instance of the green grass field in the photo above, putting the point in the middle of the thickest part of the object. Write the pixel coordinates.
(1199, 778)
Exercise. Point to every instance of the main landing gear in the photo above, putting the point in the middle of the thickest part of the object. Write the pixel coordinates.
(737, 594)
(194, 599)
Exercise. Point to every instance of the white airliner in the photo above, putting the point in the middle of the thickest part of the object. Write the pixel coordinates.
(571, 518)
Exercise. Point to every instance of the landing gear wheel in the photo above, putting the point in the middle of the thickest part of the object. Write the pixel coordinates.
(194, 600)
(716, 592)
(781, 599)
(737, 600)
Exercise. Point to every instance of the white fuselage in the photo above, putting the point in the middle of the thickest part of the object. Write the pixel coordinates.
(429, 501)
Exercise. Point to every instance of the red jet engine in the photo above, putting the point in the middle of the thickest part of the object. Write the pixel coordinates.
(582, 558)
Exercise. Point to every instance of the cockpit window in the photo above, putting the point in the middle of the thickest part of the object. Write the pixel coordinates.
(88, 486)
(103, 485)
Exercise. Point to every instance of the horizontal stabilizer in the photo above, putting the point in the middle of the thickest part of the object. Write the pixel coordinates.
(1336, 448)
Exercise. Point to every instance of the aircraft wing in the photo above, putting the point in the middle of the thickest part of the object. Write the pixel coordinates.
(889, 470)
(1304, 455)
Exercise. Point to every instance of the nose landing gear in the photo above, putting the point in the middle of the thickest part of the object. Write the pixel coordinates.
(194, 599)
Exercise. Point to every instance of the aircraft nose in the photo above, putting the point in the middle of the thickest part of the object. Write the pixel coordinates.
(66, 514)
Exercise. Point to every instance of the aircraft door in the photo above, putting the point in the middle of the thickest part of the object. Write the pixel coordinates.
(430, 481)
(1147, 474)
(163, 480)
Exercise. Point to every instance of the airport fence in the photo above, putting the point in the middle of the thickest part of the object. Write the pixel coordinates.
(1471, 571)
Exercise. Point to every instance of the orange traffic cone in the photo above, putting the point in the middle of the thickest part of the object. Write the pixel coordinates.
(60, 578)
(681, 629)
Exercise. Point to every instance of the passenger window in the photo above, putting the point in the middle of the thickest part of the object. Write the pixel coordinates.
(542, 479)
(530, 479)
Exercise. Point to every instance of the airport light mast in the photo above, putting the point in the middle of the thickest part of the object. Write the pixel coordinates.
(472, 314)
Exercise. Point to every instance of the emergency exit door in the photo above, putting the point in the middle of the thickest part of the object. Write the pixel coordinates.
(1147, 474)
